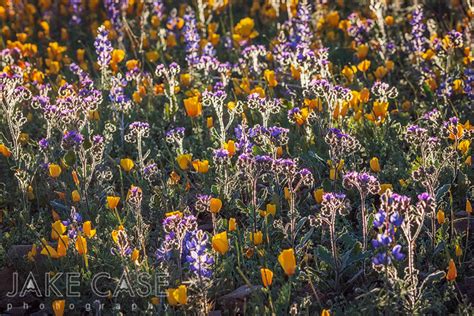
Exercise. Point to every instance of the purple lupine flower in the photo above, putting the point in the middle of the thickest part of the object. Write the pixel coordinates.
(76, 11)
(158, 8)
(382, 240)
(301, 32)
(177, 228)
(397, 254)
(117, 93)
(73, 223)
(469, 82)
(396, 219)
(191, 37)
(418, 40)
(103, 48)
(381, 259)
(379, 219)
(115, 10)
(386, 221)
(359, 28)
(197, 254)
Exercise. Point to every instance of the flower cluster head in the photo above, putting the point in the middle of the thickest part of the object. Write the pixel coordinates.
(198, 255)
(333, 203)
(177, 227)
(416, 135)
(383, 91)
(341, 144)
(137, 131)
(221, 156)
(215, 99)
(363, 182)
(288, 169)
(203, 202)
(252, 57)
(266, 106)
(251, 164)
(469, 82)
(191, 37)
(115, 9)
(278, 136)
(426, 203)
(298, 115)
(71, 139)
(454, 130)
(122, 246)
(150, 171)
(135, 196)
(117, 93)
(43, 144)
(169, 73)
(103, 48)
(386, 222)
(324, 89)
(455, 39)
(418, 40)
(175, 136)
(359, 28)
(73, 223)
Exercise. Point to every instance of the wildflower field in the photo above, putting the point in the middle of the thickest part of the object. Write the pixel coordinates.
(229, 157)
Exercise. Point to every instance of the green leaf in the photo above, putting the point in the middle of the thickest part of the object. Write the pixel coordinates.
(70, 158)
(283, 299)
(300, 224)
(442, 192)
(240, 205)
(324, 255)
(305, 238)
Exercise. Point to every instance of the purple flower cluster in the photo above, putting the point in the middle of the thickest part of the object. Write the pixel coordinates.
(72, 139)
(340, 144)
(359, 28)
(302, 34)
(139, 128)
(418, 40)
(43, 144)
(469, 82)
(278, 136)
(221, 156)
(158, 8)
(103, 48)
(73, 223)
(122, 246)
(115, 10)
(197, 254)
(363, 182)
(117, 93)
(203, 202)
(191, 37)
(386, 222)
(177, 132)
(177, 228)
(333, 203)
(76, 6)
